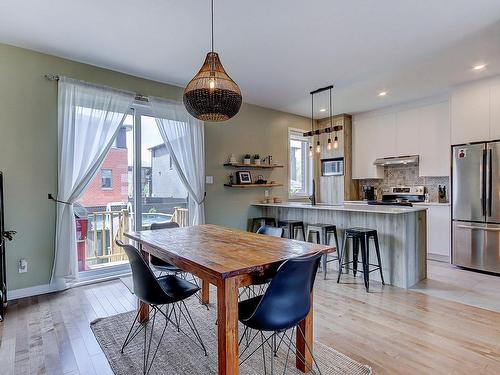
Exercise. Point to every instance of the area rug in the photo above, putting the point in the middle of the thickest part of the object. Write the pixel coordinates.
(179, 355)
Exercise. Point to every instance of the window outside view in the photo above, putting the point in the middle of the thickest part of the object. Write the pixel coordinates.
(111, 205)
(299, 165)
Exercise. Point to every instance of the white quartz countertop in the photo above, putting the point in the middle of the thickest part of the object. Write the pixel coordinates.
(347, 207)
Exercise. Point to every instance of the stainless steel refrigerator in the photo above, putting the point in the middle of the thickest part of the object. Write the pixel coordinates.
(476, 206)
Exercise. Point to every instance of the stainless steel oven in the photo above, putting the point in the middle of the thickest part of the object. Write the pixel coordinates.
(332, 167)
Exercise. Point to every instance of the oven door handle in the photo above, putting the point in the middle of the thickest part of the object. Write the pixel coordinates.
(478, 228)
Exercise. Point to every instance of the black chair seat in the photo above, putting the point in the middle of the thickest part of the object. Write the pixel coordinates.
(162, 266)
(177, 289)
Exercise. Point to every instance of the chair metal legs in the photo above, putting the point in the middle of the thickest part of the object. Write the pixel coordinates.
(272, 343)
(178, 310)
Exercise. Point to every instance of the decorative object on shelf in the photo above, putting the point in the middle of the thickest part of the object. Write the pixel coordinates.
(212, 95)
(231, 179)
(243, 177)
(232, 159)
(332, 128)
(269, 159)
(247, 159)
(442, 194)
(278, 200)
(260, 180)
(256, 159)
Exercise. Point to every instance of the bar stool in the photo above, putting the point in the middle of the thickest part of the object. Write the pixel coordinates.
(258, 222)
(322, 233)
(361, 236)
(291, 226)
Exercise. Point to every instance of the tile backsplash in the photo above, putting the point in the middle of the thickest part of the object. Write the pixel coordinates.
(407, 175)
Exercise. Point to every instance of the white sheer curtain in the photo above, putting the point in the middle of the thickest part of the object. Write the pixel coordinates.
(89, 118)
(184, 138)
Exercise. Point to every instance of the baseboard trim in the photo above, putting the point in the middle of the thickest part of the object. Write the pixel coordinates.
(30, 292)
(438, 257)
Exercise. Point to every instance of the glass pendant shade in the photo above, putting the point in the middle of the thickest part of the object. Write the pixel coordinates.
(336, 142)
(212, 95)
(329, 146)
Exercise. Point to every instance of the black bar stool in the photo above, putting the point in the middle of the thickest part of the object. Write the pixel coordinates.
(258, 222)
(361, 236)
(322, 233)
(291, 226)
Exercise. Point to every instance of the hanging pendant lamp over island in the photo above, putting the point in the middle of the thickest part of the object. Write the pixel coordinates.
(212, 95)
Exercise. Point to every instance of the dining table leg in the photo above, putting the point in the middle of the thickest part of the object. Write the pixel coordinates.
(303, 360)
(143, 307)
(227, 317)
(205, 292)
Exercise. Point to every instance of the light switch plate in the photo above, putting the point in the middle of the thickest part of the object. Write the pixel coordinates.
(209, 180)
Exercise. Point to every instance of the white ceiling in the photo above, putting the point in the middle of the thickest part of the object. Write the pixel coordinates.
(276, 50)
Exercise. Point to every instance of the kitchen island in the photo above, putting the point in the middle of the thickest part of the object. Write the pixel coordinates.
(401, 231)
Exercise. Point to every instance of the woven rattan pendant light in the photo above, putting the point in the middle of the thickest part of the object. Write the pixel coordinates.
(212, 95)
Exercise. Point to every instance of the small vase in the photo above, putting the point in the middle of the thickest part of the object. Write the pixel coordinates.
(247, 161)
(257, 161)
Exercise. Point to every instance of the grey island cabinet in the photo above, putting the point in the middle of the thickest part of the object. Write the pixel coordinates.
(401, 231)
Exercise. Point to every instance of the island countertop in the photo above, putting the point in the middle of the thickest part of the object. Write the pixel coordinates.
(353, 207)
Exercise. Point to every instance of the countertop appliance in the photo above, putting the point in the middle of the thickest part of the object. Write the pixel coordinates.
(369, 193)
(401, 196)
(476, 206)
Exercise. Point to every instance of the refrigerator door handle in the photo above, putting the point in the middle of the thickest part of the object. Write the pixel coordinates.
(489, 190)
(482, 182)
(479, 228)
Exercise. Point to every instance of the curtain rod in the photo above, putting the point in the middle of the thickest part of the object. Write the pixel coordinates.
(139, 97)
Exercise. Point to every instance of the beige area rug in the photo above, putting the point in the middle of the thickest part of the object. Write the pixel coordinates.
(179, 355)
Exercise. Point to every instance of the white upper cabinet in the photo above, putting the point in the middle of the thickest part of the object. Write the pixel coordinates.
(434, 140)
(495, 110)
(470, 114)
(364, 148)
(407, 125)
(384, 137)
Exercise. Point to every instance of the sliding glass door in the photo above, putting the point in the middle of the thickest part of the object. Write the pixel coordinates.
(136, 185)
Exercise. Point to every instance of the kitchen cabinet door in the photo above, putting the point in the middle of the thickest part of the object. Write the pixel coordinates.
(364, 150)
(407, 126)
(439, 231)
(383, 140)
(470, 114)
(495, 110)
(434, 140)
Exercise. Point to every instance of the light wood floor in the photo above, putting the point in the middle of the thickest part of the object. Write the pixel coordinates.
(393, 330)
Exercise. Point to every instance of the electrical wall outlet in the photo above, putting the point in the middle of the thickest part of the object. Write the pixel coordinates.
(209, 180)
(266, 193)
(22, 265)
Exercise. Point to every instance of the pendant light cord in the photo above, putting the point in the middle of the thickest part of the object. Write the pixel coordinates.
(331, 118)
(212, 1)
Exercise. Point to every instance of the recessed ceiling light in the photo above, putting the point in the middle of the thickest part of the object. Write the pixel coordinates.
(479, 67)
(382, 93)
(322, 110)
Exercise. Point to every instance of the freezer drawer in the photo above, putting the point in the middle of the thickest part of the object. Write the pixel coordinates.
(476, 246)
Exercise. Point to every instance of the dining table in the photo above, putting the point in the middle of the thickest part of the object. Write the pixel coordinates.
(229, 259)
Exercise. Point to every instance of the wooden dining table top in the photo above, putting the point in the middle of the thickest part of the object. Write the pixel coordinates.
(222, 252)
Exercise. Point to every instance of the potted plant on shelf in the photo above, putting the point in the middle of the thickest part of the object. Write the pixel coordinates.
(247, 159)
(256, 159)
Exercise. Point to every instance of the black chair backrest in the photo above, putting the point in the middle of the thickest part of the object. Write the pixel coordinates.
(287, 300)
(146, 287)
(164, 225)
(270, 231)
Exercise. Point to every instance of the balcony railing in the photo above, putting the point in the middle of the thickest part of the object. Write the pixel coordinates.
(105, 227)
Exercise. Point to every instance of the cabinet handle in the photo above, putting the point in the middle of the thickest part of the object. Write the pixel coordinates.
(478, 228)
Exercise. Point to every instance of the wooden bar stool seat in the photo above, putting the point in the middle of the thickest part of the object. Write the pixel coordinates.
(323, 234)
(361, 239)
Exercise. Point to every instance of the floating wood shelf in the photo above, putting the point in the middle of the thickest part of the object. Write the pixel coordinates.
(257, 166)
(246, 186)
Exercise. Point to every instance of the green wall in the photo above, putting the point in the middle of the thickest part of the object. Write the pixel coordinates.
(28, 152)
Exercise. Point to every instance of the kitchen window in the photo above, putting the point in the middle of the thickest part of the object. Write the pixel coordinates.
(106, 179)
(299, 165)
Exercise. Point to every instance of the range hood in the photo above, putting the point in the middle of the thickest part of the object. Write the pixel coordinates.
(398, 160)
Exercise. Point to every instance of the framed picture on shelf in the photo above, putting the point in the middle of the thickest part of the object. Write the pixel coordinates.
(243, 177)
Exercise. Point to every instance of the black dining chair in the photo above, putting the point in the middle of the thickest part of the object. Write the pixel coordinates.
(158, 264)
(169, 291)
(259, 284)
(286, 302)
